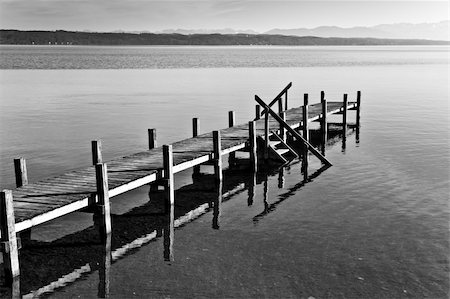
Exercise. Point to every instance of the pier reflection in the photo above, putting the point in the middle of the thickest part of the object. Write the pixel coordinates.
(48, 266)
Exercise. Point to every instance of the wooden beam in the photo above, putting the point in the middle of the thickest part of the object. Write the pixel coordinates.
(20, 170)
(96, 152)
(293, 132)
(275, 99)
(8, 236)
(231, 123)
(253, 148)
(102, 214)
(152, 138)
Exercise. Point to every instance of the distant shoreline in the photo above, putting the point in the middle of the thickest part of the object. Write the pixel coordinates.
(61, 37)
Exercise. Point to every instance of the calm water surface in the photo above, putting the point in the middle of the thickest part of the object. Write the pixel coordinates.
(374, 225)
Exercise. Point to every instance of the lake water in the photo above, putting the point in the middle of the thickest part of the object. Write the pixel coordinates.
(374, 225)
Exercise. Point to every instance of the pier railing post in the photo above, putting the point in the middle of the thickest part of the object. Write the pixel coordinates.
(102, 213)
(280, 105)
(195, 131)
(252, 143)
(344, 116)
(8, 237)
(96, 146)
(169, 187)
(152, 138)
(20, 169)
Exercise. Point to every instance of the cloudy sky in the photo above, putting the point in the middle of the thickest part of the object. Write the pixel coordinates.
(140, 15)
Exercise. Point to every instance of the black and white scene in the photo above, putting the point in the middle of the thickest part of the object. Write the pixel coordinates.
(224, 149)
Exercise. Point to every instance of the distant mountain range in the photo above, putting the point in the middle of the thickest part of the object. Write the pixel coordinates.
(431, 31)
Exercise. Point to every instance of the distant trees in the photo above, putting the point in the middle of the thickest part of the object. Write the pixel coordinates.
(62, 37)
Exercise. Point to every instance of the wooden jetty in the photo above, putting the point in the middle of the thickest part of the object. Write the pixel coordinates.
(265, 138)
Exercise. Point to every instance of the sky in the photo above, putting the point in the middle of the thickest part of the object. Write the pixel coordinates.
(149, 15)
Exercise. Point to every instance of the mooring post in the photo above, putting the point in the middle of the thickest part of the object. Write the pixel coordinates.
(358, 110)
(169, 187)
(231, 156)
(96, 152)
(20, 169)
(305, 127)
(324, 122)
(102, 213)
(257, 112)
(252, 143)
(195, 131)
(344, 116)
(217, 150)
(8, 237)
(151, 138)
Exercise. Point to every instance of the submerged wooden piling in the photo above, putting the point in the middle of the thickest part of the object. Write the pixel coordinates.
(358, 110)
(8, 237)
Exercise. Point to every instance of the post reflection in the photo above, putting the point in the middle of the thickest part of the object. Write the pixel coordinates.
(281, 178)
(251, 189)
(216, 204)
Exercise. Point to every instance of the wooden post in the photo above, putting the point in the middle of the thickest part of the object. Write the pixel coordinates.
(305, 127)
(253, 149)
(96, 152)
(280, 105)
(324, 122)
(152, 138)
(344, 116)
(231, 156)
(217, 149)
(286, 100)
(322, 96)
(170, 201)
(20, 169)
(195, 131)
(257, 112)
(266, 135)
(230, 119)
(358, 110)
(8, 236)
(282, 130)
(103, 208)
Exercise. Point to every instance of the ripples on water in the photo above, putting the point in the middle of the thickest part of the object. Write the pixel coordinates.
(373, 225)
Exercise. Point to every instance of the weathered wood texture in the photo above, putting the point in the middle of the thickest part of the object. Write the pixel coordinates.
(50, 198)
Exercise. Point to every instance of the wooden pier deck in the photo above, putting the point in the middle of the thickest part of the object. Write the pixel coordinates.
(38, 202)
(41, 201)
